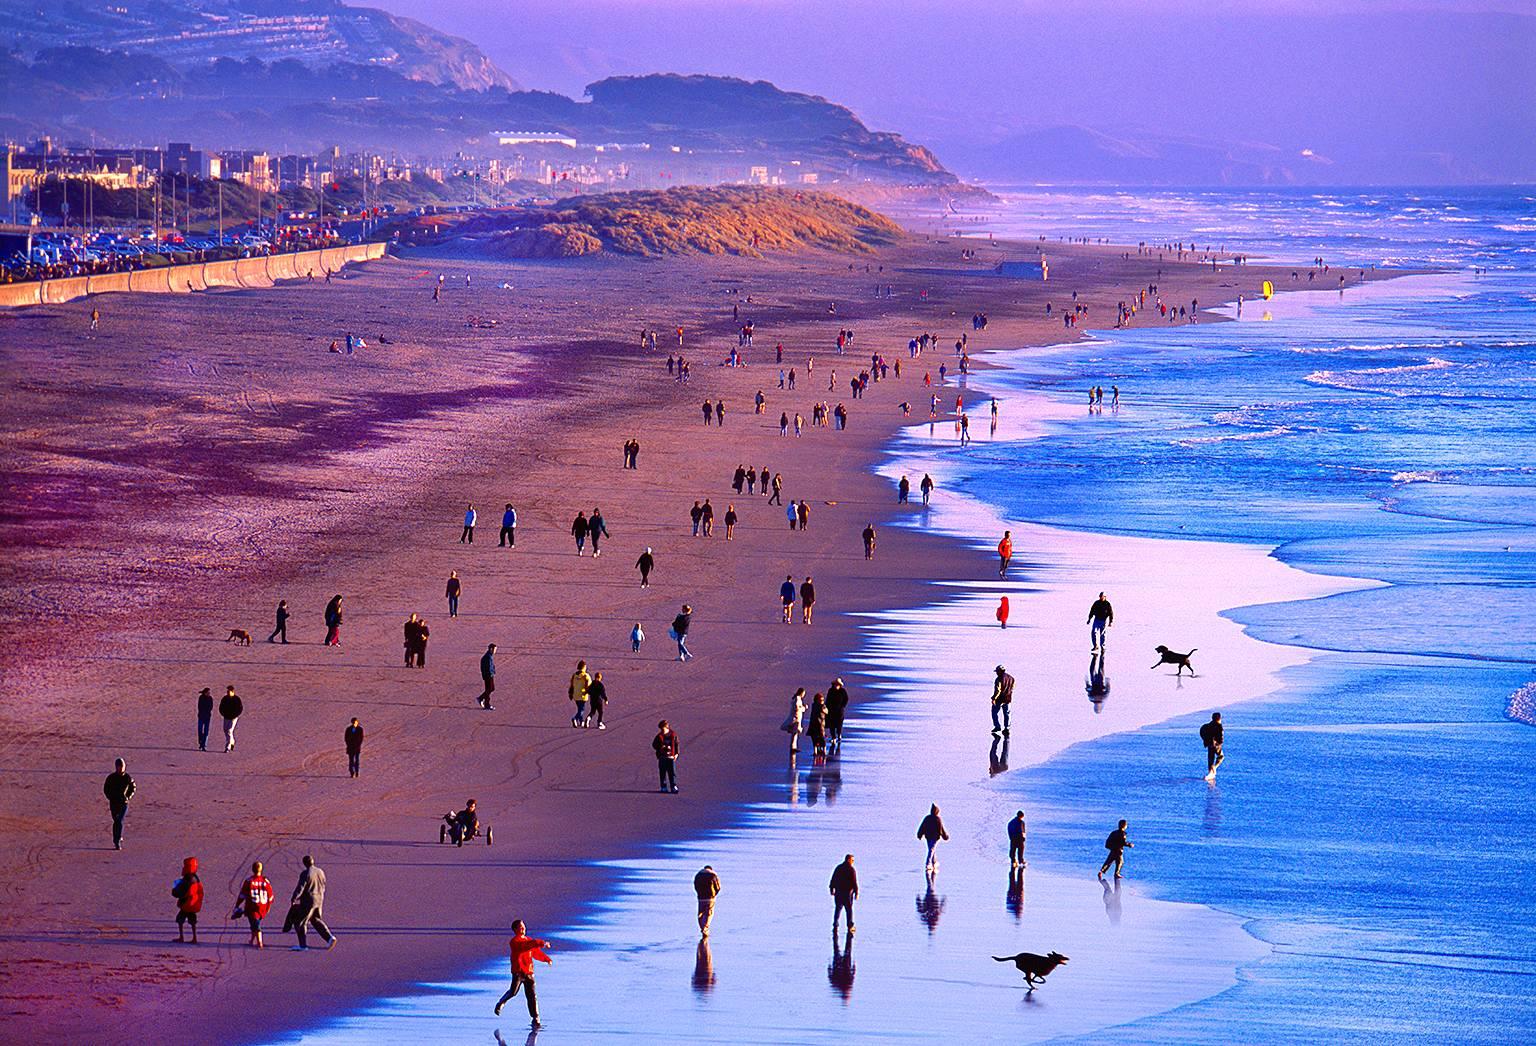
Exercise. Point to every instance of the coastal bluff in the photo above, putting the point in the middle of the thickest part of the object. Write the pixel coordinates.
(722, 220)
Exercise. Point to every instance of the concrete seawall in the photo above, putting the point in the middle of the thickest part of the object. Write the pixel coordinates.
(200, 276)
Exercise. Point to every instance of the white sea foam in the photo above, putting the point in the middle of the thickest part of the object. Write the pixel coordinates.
(1364, 378)
(1236, 437)
(1522, 705)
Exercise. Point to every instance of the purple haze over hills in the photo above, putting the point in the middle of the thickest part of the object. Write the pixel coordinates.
(1378, 91)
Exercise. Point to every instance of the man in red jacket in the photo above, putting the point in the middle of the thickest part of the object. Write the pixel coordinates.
(524, 949)
(188, 891)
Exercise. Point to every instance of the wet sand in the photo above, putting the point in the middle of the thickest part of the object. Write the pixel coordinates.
(175, 475)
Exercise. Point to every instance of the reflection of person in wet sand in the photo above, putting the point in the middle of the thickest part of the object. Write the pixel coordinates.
(1111, 899)
(1097, 683)
(703, 969)
(1015, 899)
(930, 906)
(840, 970)
(998, 762)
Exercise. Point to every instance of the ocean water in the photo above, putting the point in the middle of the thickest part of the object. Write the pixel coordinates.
(1358, 871)
(1371, 820)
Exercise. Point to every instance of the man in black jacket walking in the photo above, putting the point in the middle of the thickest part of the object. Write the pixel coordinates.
(230, 708)
(118, 789)
(204, 718)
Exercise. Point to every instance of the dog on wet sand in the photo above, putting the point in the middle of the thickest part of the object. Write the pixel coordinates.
(240, 636)
(1035, 968)
(1173, 657)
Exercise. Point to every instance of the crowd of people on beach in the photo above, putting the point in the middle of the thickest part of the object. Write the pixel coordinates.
(821, 719)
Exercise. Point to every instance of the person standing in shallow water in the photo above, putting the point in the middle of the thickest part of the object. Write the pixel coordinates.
(1212, 734)
(1116, 844)
(524, 950)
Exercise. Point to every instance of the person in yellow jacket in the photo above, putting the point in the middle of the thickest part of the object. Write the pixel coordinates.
(581, 682)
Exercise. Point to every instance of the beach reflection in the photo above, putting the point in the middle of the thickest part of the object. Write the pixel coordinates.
(1015, 899)
(703, 969)
(930, 906)
(1097, 682)
(840, 970)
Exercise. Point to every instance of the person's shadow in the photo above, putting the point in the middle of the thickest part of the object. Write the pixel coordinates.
(1015, 899)
(841, 969)
(703, 969)
(1097, 683)
(930, 906)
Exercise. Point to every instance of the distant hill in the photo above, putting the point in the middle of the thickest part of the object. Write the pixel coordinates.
(186, 33)
(721, 220)
(77, 93)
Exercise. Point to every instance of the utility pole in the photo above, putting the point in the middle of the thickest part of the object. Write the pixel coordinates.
(221, 211)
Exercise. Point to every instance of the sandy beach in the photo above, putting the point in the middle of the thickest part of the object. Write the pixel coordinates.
(172, 476)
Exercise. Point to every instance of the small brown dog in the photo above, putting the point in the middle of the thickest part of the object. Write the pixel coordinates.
(1173, 657)
(239, 635)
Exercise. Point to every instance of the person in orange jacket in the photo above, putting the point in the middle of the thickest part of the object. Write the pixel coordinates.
(188, 891)
(524, 950)
(255, 901)
(1004, 553)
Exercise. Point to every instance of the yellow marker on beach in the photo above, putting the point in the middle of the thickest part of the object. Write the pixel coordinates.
(1268, 290)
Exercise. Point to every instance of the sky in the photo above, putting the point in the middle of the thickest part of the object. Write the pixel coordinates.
(1367, 83)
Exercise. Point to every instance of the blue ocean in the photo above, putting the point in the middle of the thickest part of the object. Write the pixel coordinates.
(1358, 870)
(1373, 822)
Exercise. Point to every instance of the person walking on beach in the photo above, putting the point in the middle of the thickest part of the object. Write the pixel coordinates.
(1002, 611)
(352, 739)
(844, 888)
(697, 515)
(204, 718)
(454, 589)
(803, 510)
(778, 485)
(807, 599)
(730, 521)
(666, 747)
(416, 635)
(508, 537)
(307, 907)
(645, 564)
(95, 319)
(1116, 844)
(930, 830)
(254, 902)
(1211, 735)
(1100, 616)
(1016, 835)
(488, 676)
(1002, 702)
(597, 700)
(579, 527)
(903, 491)
(636, 637)
(282, 623)
(1004, 553)
(188, 891)
(680, 625)
(597, 529)
(926, 487)
(787, 597)
(817, 729)
(707, 517)
(230, 709)
(792, 512)
(706, 887)
(794, 723)
(869, 541)
(468, 533)
(525, 950)
(837, 711)
(581, 681)
(118, 788)
(333, 621)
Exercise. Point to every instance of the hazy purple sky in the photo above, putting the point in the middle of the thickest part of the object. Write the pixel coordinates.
(1358, 79)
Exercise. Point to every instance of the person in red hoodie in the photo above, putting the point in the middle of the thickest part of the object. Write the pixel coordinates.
(525, 949)
(188, 891)
(255, 901)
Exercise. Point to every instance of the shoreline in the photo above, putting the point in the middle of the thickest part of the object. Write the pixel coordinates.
(441, 716)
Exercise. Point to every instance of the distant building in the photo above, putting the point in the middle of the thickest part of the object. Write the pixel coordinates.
(534, 138)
